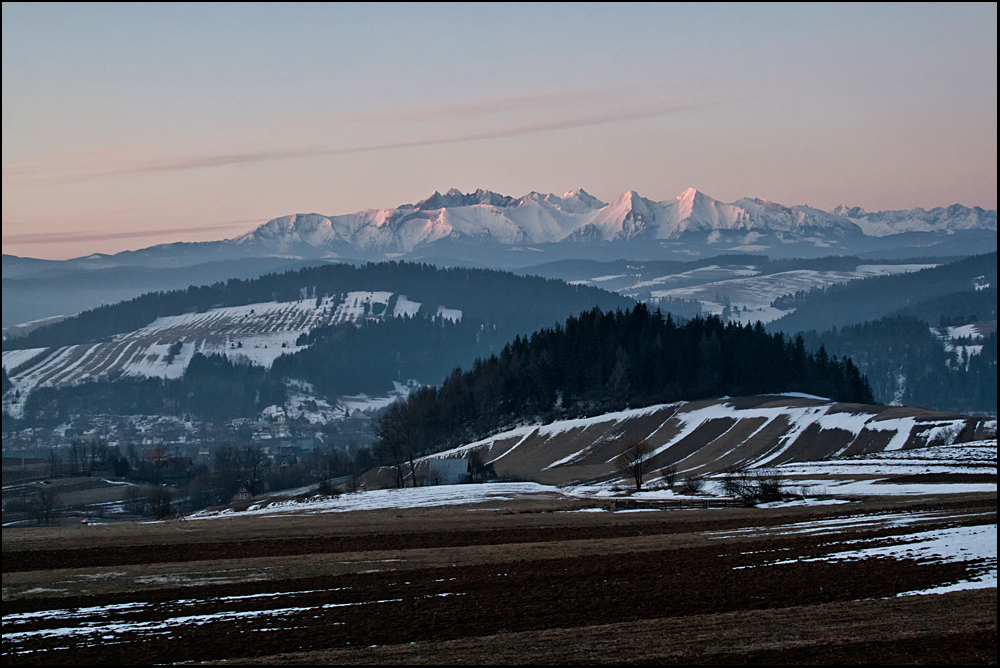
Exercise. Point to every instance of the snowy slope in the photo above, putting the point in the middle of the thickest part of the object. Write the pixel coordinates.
(747, 291)
(257, 333)
(750, 297)
(706, 437)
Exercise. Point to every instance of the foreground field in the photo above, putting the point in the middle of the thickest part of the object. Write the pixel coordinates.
(533, 579)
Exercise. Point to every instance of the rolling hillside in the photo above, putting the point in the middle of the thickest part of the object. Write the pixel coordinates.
(707, 437)
(370, 326)
(858, 301)
(743, 288)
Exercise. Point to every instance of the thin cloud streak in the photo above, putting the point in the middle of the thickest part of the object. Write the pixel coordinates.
(261, 157)
(49, 238)
(484, 107)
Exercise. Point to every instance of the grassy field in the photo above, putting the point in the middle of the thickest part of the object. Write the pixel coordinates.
(532, 579)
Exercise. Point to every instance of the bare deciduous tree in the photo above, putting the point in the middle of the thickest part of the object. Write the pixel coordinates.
(254, 462)
(634, 462)
(160, 498)
(135, 501)
(53, 463)
(669, 476)
(479, 469)
(397, 433)
(45, 503)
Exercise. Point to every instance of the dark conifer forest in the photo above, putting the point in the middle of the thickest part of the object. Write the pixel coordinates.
(212, 388)
(906, 363)
(601, 361)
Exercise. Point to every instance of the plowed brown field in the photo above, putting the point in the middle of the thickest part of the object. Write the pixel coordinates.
(520, 584)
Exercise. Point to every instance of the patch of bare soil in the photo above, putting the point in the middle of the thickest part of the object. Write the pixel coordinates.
(216, 540)
(902, 630)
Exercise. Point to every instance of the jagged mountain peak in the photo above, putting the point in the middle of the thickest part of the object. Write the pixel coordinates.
(633, 201)
(688, 194)
(698, 209)
(573, 202)
(629, 216)
(584, 198)
(849, 211)
(455, 197)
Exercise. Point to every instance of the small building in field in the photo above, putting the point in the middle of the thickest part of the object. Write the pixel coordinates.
(448, 471)
(242, 494)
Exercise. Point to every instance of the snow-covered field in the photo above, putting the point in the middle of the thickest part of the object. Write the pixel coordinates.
(748, 292)
(411, 497)
(257, 333)
(750, 296)
(976, 543)
(826, 482)
(302, 401)
(971, 457)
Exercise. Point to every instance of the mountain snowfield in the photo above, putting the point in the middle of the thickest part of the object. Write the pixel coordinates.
(577, 216)
(257, 333)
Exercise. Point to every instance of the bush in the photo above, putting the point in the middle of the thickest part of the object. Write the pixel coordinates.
(752, 486)
(669, 476)
(160, 498)
(326, 489)
(154, 500)
(692, 485)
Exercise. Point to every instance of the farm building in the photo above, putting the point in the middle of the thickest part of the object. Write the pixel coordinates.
(448, 472)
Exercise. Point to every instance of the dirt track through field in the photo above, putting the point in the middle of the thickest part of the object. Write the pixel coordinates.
(698, 574)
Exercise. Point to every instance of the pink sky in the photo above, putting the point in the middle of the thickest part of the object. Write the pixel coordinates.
(149, 124)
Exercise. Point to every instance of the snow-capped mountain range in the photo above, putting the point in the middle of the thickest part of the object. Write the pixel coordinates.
(578, 217)
(502, 232)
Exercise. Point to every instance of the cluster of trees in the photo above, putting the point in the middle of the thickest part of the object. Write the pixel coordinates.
(341, 359)
(956, 308)
(40, 506)
(906, 363)
(212, 388)
(601, 361)
(884, 325)
(347, 359)
(233, 466)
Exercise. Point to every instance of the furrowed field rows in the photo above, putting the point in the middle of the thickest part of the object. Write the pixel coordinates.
(424, 589)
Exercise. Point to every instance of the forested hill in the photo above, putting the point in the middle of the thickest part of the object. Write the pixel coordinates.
(506, 302)
(602, 361)
(906, 363)
(872, 298)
